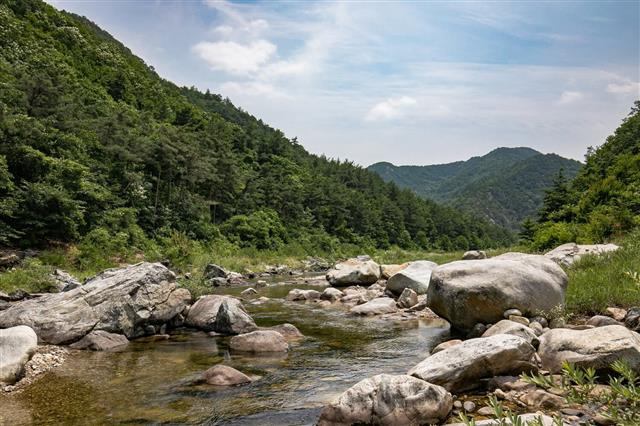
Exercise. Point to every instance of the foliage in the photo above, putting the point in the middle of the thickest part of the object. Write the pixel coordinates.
(621, 402)
(32, 276)
(505, 186)
(603, 201)
(505, 417)
(88, 130)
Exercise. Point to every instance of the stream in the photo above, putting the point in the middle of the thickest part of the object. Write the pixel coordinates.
(152, 382)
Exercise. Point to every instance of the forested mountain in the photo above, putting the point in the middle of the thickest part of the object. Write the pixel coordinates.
(603, 201)
(505, 186)
(94, 144)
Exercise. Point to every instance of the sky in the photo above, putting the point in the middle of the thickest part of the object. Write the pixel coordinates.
(408, 82)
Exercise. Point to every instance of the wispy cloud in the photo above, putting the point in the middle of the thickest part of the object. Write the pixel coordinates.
(235, 58)
(569, 97)
(629, 87)
(391, 108)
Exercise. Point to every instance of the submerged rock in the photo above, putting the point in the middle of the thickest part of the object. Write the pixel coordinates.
(469, 292)
(259, 341)
(415, 276)
(595, 347)
(378, 306)
(360, 270)
(567, 254)
(101, 340)
(289, 331)
(222, 314)
(223, 375)
(17, 345)
(460, 367)
(296, 294)
(124, 300)
(389, 400)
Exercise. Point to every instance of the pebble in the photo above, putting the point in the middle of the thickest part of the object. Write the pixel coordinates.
(485, 411)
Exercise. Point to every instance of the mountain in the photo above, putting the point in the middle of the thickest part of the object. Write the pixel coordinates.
(603, 201)
(504, 186)
(96, 147)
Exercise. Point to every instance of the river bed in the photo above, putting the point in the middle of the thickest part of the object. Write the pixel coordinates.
(152, 382)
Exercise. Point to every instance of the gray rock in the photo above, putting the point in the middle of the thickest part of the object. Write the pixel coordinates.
(596, 347)
(387, 271)
(389, 400)
(536, 328)
(460, 367)
(474, 255)
(296, 295)
(477, 331)
(17, 346)
(259, 341)
(360, 270)
(331, 294)
(415, 276)
(223, 375)
(632, 319)
(525, 419)
(540, 320)
(212, 271)
(617, 314)
(541, 399)
(64, 281)
(219, 282)
(222, 314)
(407, 299)
(124, 300)
(101, 340)
(378, 306)
(601, 320)
(510, 312)
(519, 319)
(469, 406)
(248, 292)
(513, 328)
(470, 292)
(289, 331)
(567, 254)
(445, 345)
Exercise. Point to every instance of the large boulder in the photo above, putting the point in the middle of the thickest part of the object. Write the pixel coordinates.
(460, 367)
(468, 292)
(415, 276)
(387, 271)
(360, 270)
(101, 340)
(378, 306)
(17, 345)
(212, 271)
(595, 347)
(124, 300)
(223, 375)
(567, 254)
(222, 314)
(259, 341)
(389, 400)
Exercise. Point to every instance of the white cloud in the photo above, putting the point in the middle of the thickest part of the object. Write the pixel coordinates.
(390, 109)
(628, 87)
(253, 88)
(235, 58)
(568, 97)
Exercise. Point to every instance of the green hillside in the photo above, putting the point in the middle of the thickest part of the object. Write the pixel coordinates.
(505, 186)
(96, 147)
(603, 201)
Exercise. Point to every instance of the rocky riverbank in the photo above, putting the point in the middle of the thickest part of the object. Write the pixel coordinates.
(501, 311)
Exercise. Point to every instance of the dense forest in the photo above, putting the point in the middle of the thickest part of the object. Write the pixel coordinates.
(602, 202)
(94, 145)
(504, 186)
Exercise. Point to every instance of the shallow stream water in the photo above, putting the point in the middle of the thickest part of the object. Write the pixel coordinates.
(153, 382)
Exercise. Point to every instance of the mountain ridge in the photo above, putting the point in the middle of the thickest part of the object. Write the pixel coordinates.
(485, 184)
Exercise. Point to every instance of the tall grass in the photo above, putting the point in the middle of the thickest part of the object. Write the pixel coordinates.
(613, 279)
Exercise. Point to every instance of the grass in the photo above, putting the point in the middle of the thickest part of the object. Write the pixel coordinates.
(613, 279)
(32, 276)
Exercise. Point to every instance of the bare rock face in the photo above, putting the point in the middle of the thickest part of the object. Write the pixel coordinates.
(17, 345)
(567, 254)
(222, 314)
(361, 270)
(378, 306)
(223, 375)
(460, 367)
(259, 341)
(389, 400)
(124, 300)
(415, 276)
(101, 340)
(596, 347)
(470, 292)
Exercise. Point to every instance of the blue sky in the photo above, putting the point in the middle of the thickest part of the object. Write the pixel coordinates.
(406, 82)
